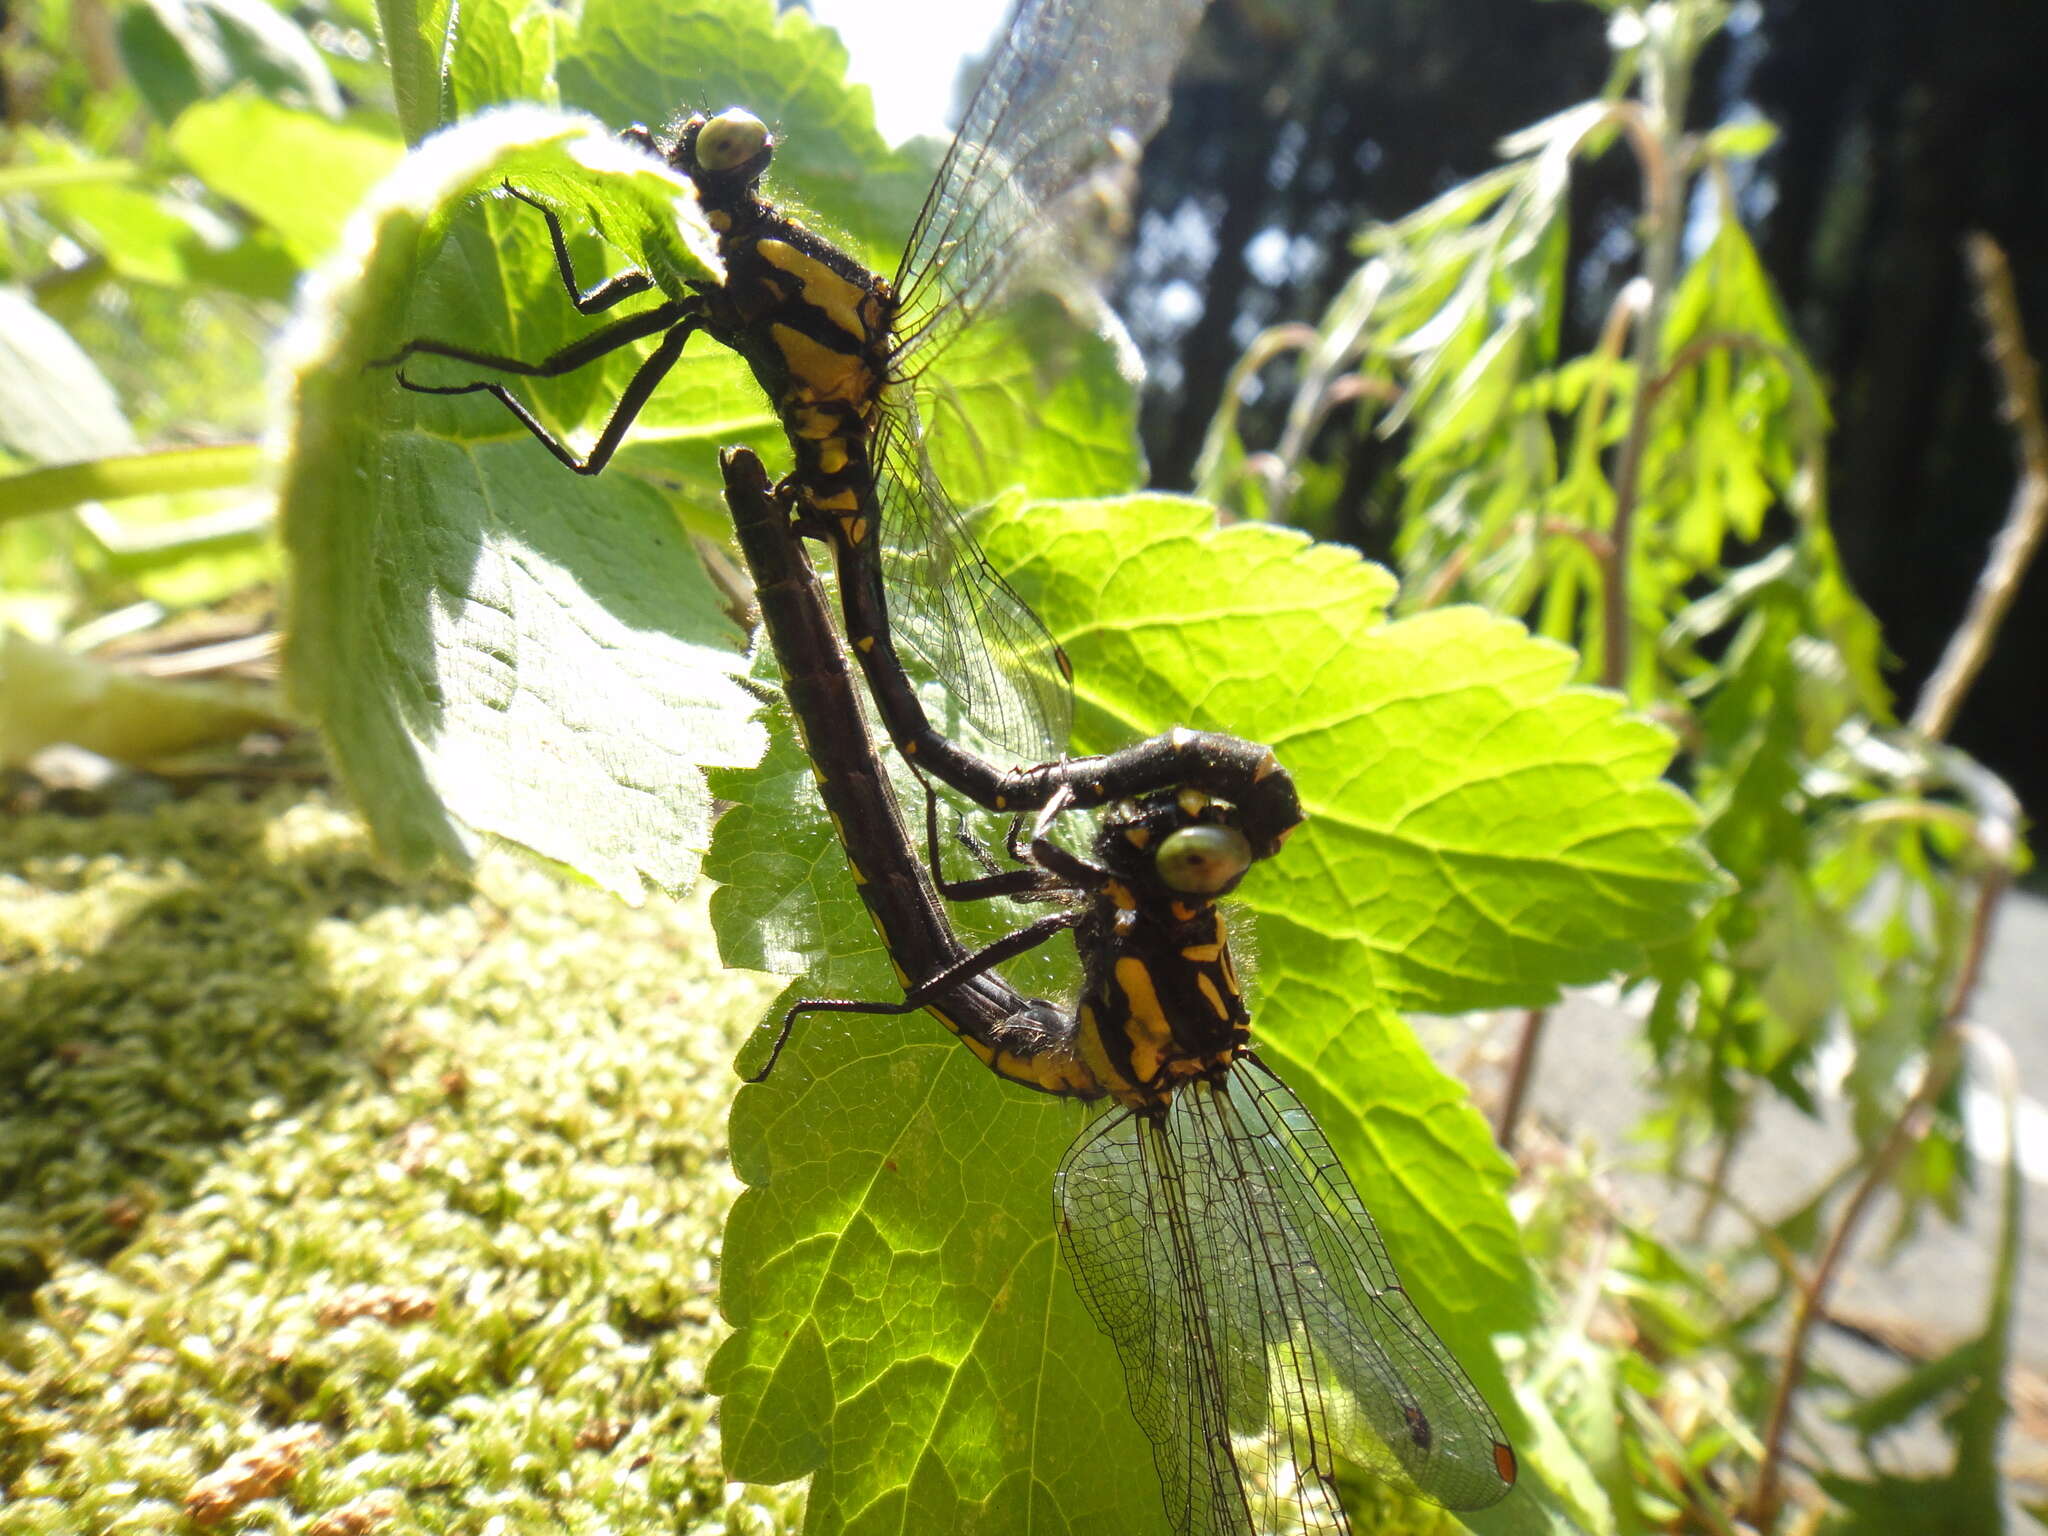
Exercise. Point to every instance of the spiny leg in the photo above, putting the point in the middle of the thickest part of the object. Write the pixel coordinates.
(600, 342)
(631, 403)
(1026, 883)
(966, 969)
(606, 293)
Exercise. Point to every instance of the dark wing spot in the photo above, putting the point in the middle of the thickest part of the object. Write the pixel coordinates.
(1418, 1427)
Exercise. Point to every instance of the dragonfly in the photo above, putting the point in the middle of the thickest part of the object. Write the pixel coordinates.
(1040, 168)
(1212, 1232)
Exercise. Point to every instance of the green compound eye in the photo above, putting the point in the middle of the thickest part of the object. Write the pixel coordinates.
(1203, 861)
(730, 139)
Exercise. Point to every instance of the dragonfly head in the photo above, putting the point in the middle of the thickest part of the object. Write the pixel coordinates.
(727, 153)
(1178, 846)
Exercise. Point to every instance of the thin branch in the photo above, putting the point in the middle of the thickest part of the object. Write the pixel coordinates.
(1614, 334)
(1663, 175)
(2026, 521)
(1520, 1073)
(1944, 1057)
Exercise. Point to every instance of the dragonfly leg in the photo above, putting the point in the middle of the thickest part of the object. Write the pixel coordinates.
(1070, 869)
(631, 402)
(1026, 883)
(606, 293)
(977, 850)
(600, 342)
(933, 990)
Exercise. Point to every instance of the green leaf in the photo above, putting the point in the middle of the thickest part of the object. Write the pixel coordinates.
(902, 1328)
(1028, 398)
(179, 51)
(1747, 139)
(494, 645)
(1420, 747)
(55, 406)
(307, 181)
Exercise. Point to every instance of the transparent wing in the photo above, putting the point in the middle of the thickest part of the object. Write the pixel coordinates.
(1262, 1330)
(952, 610)
(1037, 180)
(1036, 184)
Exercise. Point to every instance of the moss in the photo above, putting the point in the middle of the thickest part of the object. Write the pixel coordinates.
(438, 1171)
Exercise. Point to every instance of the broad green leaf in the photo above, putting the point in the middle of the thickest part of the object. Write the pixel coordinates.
(307, 182)
(1030, 399)
(179, 51)
(492, 644)
(896, 1187)
(1420, 748)
(55, 405)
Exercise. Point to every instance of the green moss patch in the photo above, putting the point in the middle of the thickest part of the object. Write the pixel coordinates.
(407, 1196)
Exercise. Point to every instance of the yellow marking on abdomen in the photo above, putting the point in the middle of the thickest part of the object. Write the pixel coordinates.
(828, 375)
(1095, 1057)
(839, 297)
(812, 422)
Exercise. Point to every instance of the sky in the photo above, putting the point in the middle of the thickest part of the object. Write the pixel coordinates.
(908, 53)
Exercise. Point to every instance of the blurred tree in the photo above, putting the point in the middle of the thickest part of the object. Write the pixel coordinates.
(1904, 129)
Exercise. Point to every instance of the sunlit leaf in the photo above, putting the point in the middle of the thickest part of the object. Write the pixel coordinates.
(308, 181)
(491, 649)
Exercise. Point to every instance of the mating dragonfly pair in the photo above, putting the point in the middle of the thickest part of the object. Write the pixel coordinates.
(1212, 1232)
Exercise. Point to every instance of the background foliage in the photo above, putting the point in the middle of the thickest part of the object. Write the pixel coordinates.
(497, 651)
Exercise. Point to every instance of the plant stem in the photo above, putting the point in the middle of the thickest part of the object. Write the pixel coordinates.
(2026, 522)
(1668, 74)
(1520, 1072)
(1996, 839)
(1995, 823)
(1715, 1190)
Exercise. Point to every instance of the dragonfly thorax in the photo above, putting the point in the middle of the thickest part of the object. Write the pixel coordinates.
(1161, 1003)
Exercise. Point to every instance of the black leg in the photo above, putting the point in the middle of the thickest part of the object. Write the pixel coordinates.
(977, 850)
(966, 969)
(631, 403)
(605, 339)
(1069, 869)
(606, 293)
(1025, 883)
